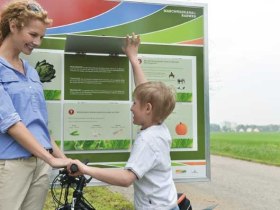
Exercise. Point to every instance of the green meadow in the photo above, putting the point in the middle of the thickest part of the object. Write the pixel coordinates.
(263, 147)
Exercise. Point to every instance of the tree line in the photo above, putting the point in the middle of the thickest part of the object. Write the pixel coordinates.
(233, 127)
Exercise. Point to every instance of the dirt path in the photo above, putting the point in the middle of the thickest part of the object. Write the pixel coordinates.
(234, 184)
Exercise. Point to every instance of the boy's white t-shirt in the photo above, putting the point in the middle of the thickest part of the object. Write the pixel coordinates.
(151, 163)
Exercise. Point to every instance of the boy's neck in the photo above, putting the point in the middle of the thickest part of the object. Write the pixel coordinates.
(149, 125)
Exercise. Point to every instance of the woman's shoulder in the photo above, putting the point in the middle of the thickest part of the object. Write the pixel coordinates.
(4, 65)
(5, 71)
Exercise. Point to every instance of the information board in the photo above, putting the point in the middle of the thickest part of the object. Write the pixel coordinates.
(90, 93)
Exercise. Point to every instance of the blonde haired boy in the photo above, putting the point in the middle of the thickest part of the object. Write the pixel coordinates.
(149, 164)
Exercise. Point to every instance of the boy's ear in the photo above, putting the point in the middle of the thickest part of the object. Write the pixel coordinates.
(149, 107)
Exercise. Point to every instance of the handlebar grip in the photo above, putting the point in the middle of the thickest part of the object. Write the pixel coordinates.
(74, 168)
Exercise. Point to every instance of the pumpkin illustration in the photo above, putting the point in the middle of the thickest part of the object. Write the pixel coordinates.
(181, 129)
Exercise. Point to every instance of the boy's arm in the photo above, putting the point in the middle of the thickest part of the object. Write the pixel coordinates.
(119, 177)
(131, 50)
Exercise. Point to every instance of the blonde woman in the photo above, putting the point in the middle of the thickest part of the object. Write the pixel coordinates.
(26, 148)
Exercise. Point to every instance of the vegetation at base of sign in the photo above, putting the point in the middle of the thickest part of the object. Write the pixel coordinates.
(100, 197)
(257, 147)
(52, 94)
(182, 143)
(97, 144)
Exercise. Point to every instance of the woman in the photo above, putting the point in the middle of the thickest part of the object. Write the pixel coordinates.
(26, 149)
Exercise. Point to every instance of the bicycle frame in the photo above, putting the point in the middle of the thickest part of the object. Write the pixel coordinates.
(65, 181)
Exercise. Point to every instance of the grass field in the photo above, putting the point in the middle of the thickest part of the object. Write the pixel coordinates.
(258, 147)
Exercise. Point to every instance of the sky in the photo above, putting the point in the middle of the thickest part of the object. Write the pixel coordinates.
(243, 60)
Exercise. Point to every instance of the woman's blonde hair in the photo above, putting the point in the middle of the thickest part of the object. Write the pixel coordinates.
(160, 96)
(21, 11)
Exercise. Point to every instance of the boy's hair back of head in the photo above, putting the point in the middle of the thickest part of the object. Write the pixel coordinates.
(159, 95)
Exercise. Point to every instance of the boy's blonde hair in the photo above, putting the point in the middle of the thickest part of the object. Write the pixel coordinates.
(21, 11)
(159, 95)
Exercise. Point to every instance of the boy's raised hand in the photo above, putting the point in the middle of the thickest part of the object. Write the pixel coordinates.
(131, 46)
(131, 50)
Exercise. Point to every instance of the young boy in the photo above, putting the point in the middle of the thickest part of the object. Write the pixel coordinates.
(149, 164)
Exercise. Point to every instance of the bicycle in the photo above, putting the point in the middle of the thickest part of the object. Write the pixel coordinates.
(64, 182)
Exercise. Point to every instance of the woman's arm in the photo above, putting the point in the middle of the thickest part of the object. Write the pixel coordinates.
(24, 137)
(56, 150)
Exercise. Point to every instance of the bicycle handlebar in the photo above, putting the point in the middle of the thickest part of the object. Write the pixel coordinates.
(66, 181)
(74, 168)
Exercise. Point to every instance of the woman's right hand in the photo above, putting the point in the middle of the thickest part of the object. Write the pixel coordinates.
(59, 162)
(79, 164)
